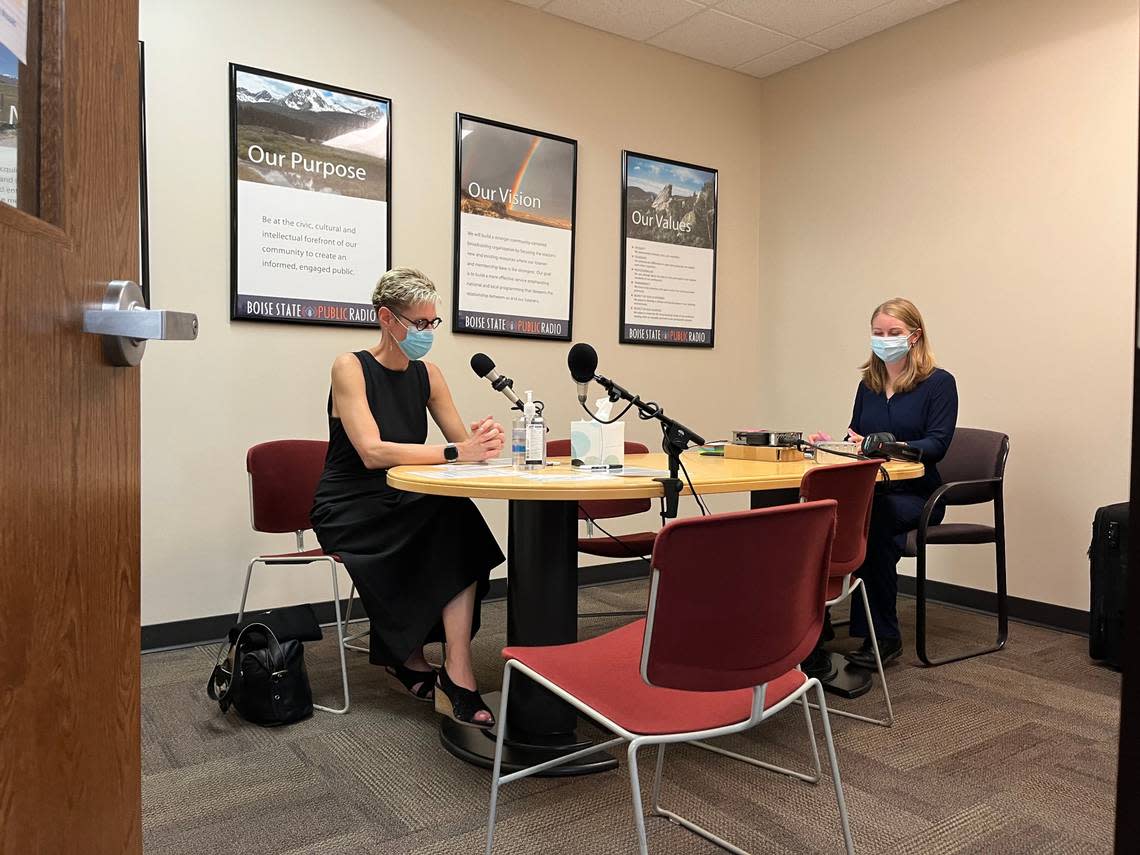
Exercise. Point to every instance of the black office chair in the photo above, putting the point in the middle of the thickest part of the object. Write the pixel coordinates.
(973, 472)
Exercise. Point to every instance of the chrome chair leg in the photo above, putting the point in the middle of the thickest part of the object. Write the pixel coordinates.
(834, 763)
(496, 770)
(638, 811)
(813, 778)
(339, 645)
(655, 800)
(224, 646)
(348, 639)
(245, 588)
(811, 739)
(890, 719)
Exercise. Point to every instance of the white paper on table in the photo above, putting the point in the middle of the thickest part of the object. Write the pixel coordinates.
(14, 27)
(443, 472)
(476, 467)
(568, 476)
(641, 472)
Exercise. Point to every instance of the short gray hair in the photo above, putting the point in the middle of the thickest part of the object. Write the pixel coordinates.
(402, 287)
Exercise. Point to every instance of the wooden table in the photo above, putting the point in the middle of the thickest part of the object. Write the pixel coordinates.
(542, 568)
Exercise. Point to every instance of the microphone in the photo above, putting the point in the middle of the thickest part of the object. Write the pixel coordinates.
(582, 362)
(885, 446)
(484, 366)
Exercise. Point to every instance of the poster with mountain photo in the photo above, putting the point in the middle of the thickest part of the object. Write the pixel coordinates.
(514, 230)
(310, 171)
(668, 265)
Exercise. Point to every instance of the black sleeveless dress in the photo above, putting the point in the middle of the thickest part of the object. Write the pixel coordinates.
(408, 553)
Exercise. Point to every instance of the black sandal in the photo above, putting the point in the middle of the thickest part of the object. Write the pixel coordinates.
(420, 684)
(460, 704)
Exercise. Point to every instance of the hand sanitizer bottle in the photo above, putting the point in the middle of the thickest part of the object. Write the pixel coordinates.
(535, 434)
(518, 442)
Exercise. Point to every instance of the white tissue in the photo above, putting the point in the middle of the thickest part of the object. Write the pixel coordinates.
(603, 407)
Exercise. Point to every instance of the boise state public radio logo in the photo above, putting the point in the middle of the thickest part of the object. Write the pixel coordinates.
(310, 312)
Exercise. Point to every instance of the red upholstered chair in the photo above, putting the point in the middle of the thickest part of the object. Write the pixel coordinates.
(852, 485)
(638, 545)
(283, 476)
(736, 602)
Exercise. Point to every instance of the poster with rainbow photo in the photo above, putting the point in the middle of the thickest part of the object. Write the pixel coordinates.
(514, 230)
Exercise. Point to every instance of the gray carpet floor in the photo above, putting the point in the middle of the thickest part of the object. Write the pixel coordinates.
(1009, 753)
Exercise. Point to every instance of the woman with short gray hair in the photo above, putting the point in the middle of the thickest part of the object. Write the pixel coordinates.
(421, 563)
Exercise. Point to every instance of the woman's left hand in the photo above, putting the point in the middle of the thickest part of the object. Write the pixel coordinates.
(491, 427)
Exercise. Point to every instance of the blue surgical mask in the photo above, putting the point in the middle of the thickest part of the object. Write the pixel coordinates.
(890, 348)
(416, 343)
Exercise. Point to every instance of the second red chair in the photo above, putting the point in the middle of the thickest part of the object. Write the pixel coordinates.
(637, 545)
(852, 485)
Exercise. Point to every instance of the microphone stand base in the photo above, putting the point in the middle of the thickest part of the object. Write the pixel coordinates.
(675, 440)
(673, 487)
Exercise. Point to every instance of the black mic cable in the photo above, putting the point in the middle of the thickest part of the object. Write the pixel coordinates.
(803, 444)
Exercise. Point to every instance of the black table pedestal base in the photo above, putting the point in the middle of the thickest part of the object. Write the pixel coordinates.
(520, 751)
(850, 681)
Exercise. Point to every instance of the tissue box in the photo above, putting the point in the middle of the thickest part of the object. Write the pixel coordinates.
(595, 444)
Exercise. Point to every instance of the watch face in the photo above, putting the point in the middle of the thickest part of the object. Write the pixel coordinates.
(450, 452)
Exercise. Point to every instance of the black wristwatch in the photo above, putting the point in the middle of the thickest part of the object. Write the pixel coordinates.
(451, 452)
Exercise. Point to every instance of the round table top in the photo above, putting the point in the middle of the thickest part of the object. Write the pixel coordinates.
(563, 483)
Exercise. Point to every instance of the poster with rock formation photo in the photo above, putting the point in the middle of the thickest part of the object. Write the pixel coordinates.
(668, 252)
(310, 219)
(514, 230)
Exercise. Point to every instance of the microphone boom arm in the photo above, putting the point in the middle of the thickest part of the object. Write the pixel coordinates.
(676, 437)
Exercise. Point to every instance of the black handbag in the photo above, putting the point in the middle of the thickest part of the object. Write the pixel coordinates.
(263, 679)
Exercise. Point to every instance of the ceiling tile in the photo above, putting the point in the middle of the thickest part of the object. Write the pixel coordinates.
(780, 59)
(880, 18)
(797, 17)
(721, 39)
(634, 19)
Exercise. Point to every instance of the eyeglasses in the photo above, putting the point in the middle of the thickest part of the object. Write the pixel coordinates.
(421, 324)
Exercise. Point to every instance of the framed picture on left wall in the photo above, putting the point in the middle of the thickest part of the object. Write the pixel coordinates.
(310, 219)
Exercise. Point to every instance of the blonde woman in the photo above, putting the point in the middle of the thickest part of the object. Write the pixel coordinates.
(420, 563)
(902, 392)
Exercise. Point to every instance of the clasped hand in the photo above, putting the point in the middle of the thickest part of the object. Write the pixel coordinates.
(485, 442)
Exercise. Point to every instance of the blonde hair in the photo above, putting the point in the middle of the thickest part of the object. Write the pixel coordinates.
(403, 287)
(920, 359)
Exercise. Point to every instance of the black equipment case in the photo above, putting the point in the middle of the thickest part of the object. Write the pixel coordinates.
(1108, 558)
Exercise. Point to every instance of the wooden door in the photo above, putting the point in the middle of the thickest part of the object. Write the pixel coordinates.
(69, 423)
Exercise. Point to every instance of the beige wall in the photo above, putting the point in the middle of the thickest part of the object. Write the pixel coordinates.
(982, 161)
(203, 404)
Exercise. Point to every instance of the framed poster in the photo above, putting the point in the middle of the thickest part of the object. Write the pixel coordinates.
(668, 255)
(310, 175)
(11, 69)
(514, 230)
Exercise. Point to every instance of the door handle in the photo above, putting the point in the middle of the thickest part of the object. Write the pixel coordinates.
(126, 324)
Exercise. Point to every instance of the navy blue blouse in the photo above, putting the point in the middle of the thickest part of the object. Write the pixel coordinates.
(924, 417)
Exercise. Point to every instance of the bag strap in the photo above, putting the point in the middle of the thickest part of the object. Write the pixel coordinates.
(218, 675)
(272, 645)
